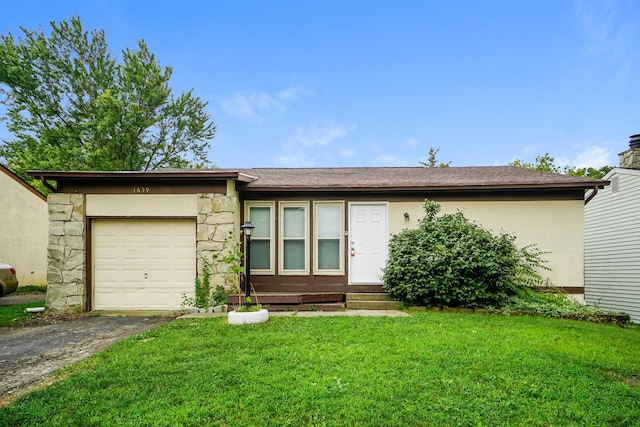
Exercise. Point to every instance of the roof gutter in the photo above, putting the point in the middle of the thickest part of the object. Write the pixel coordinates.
(352, 188)
(82, 175)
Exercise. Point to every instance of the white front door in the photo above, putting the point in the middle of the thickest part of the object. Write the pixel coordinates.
(367, 242)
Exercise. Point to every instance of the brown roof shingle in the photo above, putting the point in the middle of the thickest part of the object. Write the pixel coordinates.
(411, 178)
(349, 179)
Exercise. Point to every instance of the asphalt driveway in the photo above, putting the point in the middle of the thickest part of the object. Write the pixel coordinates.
(29, 355)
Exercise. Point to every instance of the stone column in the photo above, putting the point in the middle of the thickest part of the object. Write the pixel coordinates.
(216, 234)
(67, 272)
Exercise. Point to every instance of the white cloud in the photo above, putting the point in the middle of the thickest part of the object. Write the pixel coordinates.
(308, 144)
(594, 156)
(581, 156)
(394, 160)
(293, 158)
(295, 93)
(412, 142)
(314, 135)
(347, 152)
(609, 34)
(251, 106)
(563, 161)
(596, 19)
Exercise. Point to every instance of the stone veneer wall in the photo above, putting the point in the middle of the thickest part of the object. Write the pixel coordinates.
(66, 273)
(217, 232)
(630, 159)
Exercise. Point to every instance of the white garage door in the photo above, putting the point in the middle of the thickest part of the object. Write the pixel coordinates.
(142, 264)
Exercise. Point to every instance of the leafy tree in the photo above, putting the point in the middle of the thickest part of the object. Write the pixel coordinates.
(588, 172)
(547, 163)
(452, 261)
(70, 105)
(544, 163)
(432, 162)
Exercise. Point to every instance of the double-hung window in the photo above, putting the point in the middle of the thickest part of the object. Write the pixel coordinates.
(294, 240)
(261, 215)
(328, 230)
(301, 244)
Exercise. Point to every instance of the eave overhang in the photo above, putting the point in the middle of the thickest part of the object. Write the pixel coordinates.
(424, 188)
(169, 176)
(246, 182)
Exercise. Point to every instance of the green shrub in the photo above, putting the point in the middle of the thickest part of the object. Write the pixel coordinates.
(449, 260)
(202, 298)
(558, 305)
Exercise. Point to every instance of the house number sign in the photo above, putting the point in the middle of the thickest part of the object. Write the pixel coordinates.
(141, 189)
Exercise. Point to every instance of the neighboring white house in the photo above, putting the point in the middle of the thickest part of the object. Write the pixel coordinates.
(612, 238)
(24, 229)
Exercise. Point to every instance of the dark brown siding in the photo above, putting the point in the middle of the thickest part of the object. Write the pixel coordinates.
(141, 187)
(309, 283)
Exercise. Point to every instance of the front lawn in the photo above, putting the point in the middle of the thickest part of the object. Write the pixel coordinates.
(430, 369)
(12, 315)
(31, 289)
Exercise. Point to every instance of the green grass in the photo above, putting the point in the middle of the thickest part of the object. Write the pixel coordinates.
(428, 370)
(13, 315)
(31, 289)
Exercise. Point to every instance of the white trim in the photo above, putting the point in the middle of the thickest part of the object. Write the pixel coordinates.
(621, 171)
(141, 205)
(341, 241)
(272, 233)
(142, 263)
(281, 238)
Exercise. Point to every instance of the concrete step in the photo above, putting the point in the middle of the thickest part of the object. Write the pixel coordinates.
(369, 296)
(373, 305)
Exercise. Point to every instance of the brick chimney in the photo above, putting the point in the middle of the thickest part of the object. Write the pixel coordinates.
(630, 159)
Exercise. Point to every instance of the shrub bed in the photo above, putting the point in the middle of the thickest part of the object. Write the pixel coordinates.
(449, 261)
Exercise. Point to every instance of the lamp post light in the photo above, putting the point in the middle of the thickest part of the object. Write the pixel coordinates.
(247, 227)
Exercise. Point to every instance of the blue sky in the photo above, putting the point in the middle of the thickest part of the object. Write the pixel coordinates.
(376, 83)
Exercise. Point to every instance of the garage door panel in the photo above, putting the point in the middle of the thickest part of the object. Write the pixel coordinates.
(142, 264)
(109, 276)
(131, 253)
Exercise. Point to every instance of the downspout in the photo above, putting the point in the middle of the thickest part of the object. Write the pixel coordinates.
(46, 184)
(592, 195)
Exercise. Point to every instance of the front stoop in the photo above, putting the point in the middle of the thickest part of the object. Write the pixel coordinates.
(371, 301)
(336, 306)
(280, 301)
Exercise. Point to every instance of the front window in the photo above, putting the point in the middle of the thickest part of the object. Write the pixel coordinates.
(262, 245)
(294, 226)
(328, 226)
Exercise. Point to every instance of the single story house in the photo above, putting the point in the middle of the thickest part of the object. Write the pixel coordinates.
(132, 240)
(612, 238)
(24, 225)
